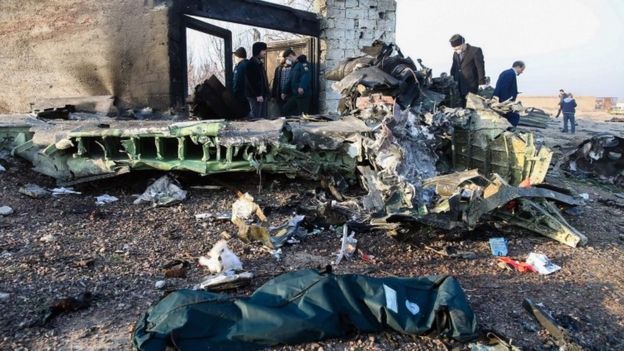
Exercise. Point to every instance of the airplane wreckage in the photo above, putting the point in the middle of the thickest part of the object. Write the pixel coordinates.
(420, 163)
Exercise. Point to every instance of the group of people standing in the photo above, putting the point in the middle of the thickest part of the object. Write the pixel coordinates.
(468, 70)
(292, 82)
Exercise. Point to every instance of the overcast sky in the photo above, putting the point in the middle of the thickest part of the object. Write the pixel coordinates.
(577, 45)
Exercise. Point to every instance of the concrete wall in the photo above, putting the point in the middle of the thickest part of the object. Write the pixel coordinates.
(74, 48)
(349, 25)
(69, 48)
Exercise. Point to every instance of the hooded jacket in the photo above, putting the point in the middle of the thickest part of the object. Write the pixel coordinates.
(239, 80)
(257, 83)
(568, 105)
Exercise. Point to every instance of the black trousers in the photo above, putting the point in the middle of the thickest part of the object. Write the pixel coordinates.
(297, 105)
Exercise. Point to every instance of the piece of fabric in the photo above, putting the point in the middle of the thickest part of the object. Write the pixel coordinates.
(469, 71)
(306, 306)
(568, 118)
(506, 86)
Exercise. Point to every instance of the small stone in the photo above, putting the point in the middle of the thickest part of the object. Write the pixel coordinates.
(4, 296)
(5, 211)
(48, 238)
(160, 284)
(34, 191)
(2, 169)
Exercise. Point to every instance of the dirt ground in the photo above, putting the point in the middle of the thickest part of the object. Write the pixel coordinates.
(117, 252)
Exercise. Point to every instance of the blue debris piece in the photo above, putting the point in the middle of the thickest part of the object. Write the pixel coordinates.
(498, 246)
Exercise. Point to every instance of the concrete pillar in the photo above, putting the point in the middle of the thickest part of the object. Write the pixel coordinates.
(347, 26)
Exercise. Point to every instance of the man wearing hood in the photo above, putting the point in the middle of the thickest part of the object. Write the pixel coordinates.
(257, 83)
(568, 107)
(301, 88)
(241, 61)
(468, 68)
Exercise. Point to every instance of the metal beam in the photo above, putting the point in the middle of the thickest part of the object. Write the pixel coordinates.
(256, 13)
(177, 57)
(222, 33)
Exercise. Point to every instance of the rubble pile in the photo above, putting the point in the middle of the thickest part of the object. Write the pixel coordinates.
(402, 158)
(395, 136)
(599, 157)
(416, 139)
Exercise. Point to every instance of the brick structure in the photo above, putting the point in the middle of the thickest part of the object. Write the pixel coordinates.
(349, 25)
(74, 48)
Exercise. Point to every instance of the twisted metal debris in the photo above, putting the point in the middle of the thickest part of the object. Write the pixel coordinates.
(396, 135)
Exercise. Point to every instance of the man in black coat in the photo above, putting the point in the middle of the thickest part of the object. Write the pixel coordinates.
(468, 68)
(257, 84)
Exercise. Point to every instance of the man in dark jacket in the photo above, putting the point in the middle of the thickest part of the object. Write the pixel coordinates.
(507, 88)
(280, 90)
(238, 88)
(301, 88)
(257, 84)
(468, 68)
(568, 107)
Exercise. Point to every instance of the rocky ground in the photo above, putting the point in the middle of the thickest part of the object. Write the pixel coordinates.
(117, 252)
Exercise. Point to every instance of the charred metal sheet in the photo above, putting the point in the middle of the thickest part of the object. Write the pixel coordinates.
(371, 78)
(474, 198)
(90, 104)
(87, 150)
(542, 217)
(328, 135)
(348, 66)
(447, 185)
(562, 337)
(535, 118)
(241, 133)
